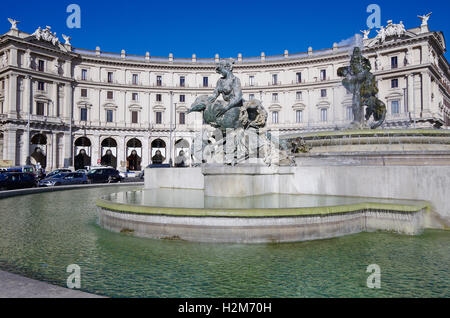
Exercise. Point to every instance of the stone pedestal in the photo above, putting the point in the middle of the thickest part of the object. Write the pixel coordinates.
(246, 180)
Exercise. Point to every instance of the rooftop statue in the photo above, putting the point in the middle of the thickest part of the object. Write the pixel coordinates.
(424, 18)
(361, 83)
(240, 125)
(14, 23)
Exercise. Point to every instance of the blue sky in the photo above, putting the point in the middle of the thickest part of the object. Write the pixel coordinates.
(224, 27)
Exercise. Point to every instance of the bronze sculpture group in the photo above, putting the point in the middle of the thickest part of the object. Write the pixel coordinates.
(238, 122)
(362, 84)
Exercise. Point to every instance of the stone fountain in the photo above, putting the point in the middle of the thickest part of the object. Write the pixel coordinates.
(245, 186)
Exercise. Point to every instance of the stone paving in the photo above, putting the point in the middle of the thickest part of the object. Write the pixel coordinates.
(16, 286)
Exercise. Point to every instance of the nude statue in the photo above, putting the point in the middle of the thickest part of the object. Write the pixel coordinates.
(229, 86)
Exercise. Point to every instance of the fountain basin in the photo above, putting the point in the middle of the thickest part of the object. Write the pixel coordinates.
(192, 216)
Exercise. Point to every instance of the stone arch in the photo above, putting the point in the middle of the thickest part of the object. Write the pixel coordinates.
(38, 155)
(109, 152)
(158, 145)
(134, 154)
(182, 145)
(83, 153)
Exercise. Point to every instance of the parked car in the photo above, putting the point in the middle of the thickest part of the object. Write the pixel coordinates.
(57, 171)
(82, 171)
(25, 169)
(103, 175)
(17, 180)
(65, 178)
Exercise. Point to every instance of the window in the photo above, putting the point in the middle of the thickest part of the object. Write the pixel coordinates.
(159, 80)
(182, 81)
(109, 94)
(274, 79)
(134, 117)
(109, 115)
(182, 119)
(394, 83)
(251, 96)
(182, 98)
(3, 84)
(298, 116)
(83, 74)
(394, 62)
(41, 66)
(395, 107)
(83, 92)
(135, 96)
(158, 97)
(323, 93)
(135, 79)
(158, 117)
(251, 80)
(41, 86)
(298, 95)
(323, 75)
(323, 115)
(274, 117)
(275, 97)
(349, 113)
(110, 77)
(299, 77)
(40, 107)
(83, 114)
(205, 81)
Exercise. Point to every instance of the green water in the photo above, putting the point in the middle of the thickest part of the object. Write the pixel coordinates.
(196, 199)
(40, 235)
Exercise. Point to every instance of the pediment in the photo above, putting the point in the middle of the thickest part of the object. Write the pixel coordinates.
(298, 106)
(275, 107)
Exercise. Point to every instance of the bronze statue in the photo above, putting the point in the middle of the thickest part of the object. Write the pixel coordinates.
(234, 112)
(361, 82)
(240, 133)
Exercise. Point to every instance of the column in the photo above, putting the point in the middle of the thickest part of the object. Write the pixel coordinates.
(124, 108)
(54, 109)
(10, 140)
(68, 102)
(410, 85)
(145, 147)
(12, 92)
(49, 153)
(67, 150)
(54, 150)
(426, 94)
(120, 152)
(95, 150)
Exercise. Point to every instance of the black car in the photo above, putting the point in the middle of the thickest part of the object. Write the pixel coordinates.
(103, 175)
(17, 180)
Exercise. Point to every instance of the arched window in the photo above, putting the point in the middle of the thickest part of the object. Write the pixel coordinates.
(158, 143)
(109, 142)
(39, 139)
(83, 142)
(134, 143)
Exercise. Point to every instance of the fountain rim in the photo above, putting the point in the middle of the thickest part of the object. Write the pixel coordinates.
(261, 212)
(371, 132)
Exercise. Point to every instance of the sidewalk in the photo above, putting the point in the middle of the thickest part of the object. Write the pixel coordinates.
(16, 286)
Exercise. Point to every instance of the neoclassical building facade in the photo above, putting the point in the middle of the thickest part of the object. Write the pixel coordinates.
(56, 100)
